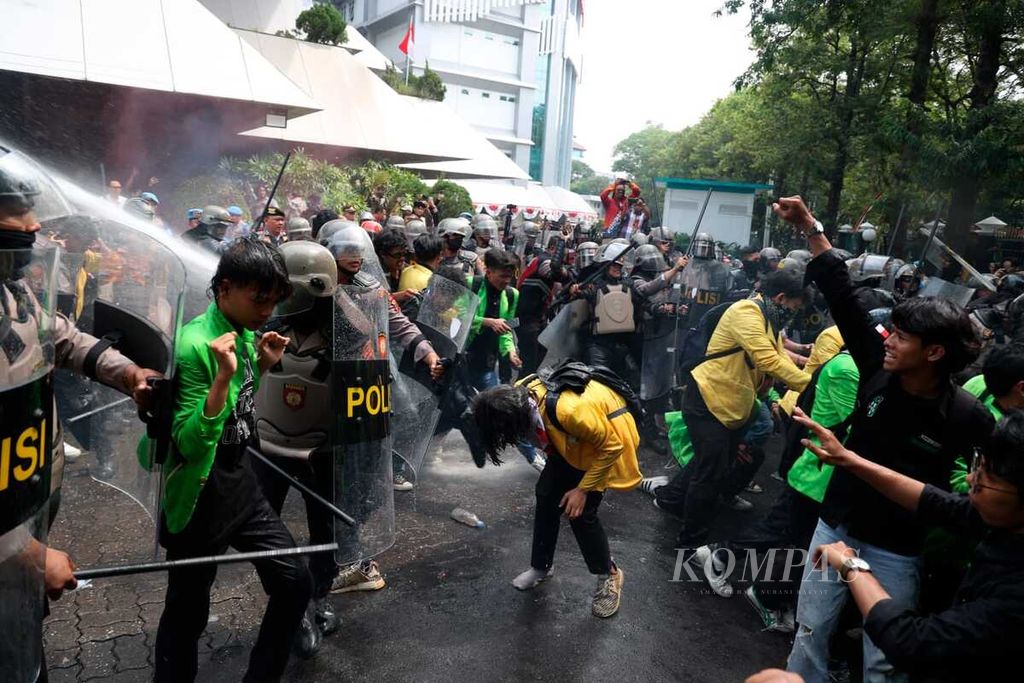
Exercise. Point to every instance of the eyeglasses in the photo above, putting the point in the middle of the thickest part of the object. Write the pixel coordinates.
(397, 255)
(975, 470)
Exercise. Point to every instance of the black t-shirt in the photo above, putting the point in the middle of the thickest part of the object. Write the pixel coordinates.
(231, 491)
(483, 350)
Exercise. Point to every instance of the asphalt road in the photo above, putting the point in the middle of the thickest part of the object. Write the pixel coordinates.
(449, 612)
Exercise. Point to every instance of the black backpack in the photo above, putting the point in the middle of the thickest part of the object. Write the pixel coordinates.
(694, 349)
(575, 376)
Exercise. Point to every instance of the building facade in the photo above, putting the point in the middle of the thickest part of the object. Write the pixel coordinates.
(510, 67)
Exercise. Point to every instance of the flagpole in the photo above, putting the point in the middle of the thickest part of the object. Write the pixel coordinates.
(408, 53)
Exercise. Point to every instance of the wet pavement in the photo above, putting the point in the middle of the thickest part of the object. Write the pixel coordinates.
(449, 612)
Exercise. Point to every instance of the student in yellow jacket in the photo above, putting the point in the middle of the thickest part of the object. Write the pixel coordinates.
(745, 347)
(591, 441)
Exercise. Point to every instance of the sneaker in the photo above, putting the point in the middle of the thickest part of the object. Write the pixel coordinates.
(652, 484)
(402, 484)
(754, 488)
(704, 558)
(356, 578)
(740, 504)
(779, 621)
(71, 453)
(608, 594)
(539, 462)
(777, 477)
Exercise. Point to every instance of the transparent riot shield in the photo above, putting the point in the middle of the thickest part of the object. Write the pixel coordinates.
(361, 422)
(562, 336)
(941, 289)
(705, 283)
(657, 373)
(445, 316)
(28, 296)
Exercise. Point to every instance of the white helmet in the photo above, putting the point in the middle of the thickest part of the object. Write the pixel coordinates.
(453, 226)
(611, 251)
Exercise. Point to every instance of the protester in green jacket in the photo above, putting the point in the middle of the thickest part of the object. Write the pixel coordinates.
(212, 499)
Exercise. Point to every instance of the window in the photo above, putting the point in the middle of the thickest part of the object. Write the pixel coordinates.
(733, 210)
(486, 95)
(511, 98)
(465, 91)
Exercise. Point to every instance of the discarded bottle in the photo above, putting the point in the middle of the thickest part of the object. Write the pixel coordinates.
(468, 518)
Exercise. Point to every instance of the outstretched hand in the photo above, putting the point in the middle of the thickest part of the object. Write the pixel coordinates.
(829, 448)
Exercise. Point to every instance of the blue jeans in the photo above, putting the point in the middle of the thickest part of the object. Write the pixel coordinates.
(487, 379)
(823, 595)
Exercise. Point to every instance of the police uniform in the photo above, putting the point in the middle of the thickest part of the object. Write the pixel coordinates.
(464, 259)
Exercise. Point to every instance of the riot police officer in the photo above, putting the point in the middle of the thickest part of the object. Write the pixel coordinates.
(609, 340)
(213, 226)
(33, 339)
(536, 288)
(455, 232)
(705, 280)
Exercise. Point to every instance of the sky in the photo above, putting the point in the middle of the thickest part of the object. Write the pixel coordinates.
(664, 61)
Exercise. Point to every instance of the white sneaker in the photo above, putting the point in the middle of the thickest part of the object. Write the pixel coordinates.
(531, 578)
(402, 484)
(71, 453)
(651, 484)
(703, 557)
(539, 462)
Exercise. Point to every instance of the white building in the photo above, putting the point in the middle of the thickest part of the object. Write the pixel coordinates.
(510, 67)
(729, 213)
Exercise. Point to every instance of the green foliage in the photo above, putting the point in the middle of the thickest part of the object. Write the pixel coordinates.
(585, 181)
(428, 86)
(456, 198)
(322, 23)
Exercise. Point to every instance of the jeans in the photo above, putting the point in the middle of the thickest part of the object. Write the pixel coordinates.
(558, 478)
(187, 604)
(318, 474)
(823, 595)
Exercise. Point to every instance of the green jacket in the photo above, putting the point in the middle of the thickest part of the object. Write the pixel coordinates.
(196, 436)
(507, 305)
(835, 397)
(976, 387)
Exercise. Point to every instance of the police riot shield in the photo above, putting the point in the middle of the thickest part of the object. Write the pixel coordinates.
(562, 336)
(28, 296)
(445, 317)
(705, 283)
(657, 375)
(941, 289)
(361, 422)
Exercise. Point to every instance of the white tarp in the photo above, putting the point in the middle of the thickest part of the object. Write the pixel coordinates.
(165, 45)
(569, 203)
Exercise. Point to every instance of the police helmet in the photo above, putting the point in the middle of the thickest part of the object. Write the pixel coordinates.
(649, 259)
(453, 226)
(612, 251)
(586, 253)
(312, 273)
(703, 246)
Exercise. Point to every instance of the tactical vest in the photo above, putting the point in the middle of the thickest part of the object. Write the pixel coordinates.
(293, 414)
(613, 310)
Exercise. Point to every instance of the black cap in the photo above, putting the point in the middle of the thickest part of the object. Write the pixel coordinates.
(273, 211)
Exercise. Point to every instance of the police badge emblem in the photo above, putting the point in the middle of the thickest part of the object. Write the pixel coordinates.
(294, 396)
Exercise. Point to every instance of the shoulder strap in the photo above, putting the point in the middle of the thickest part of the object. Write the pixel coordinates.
(551, 409)
(477, 284)
(985, 395)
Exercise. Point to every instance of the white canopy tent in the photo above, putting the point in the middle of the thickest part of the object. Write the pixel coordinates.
(989, 226)
(571, 204)
(163, 45)
(361, 111)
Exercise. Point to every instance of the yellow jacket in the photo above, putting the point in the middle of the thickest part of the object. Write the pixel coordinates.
(826, 345)
(729, 384)
(604, 448)
(415, 277)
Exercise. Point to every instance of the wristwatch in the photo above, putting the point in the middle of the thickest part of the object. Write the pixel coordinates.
(852, 564)
(816, 229)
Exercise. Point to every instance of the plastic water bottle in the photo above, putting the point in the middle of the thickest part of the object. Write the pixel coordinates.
(468, 518)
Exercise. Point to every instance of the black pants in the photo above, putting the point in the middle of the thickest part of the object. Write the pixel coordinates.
(558, 478)
(696, 489)
(744, 465)
(318, 474)
(187, 604)
(530, 350)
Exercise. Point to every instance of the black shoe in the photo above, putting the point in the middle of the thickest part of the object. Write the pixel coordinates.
(327, 620)
(307, 640)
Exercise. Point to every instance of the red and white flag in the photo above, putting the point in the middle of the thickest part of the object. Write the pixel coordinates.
(406, 46)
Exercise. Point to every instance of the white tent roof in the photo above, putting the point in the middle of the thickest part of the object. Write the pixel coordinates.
(570, 203)
(360, 110)
(165, 45)
(992, 222)
(487, 161)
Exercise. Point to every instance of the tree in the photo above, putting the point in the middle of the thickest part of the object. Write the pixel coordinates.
(642, 154)
(429, 86)
(456, 199)
(322, 23)
(584, 180)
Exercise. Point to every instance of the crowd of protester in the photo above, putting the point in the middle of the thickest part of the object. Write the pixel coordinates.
(898, 411)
